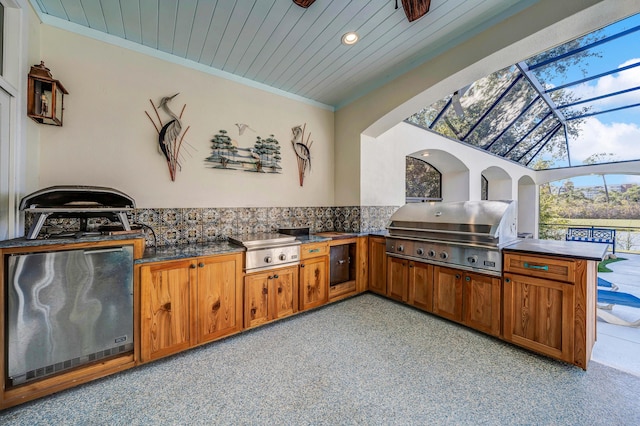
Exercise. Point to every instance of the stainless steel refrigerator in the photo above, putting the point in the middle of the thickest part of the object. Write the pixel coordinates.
(66, 309)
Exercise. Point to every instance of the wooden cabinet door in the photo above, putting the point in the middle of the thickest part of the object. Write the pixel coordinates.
(166, 293)
(314, 282)
(421, 286)
(219, 296)
(377, 265)
(447, 293)
(257, 309)
(481, 303)
(539, 315)
(284, 291)
(397, 278)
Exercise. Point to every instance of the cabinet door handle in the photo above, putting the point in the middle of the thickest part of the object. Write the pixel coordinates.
(276, 276)
(201, 264)
(507, 280)
(314, 250)
(302, 265)
(540, 267)
(457, 276)
(192, 266)
(467, 278)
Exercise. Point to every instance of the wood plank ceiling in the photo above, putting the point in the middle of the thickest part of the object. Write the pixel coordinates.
(284, 46)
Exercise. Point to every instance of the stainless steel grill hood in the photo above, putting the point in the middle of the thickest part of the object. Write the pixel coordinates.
(488, 223)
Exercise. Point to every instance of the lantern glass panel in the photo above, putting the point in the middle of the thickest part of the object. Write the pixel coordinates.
(59, 106)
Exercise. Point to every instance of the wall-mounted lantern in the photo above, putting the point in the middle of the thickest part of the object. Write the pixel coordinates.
(45, 96)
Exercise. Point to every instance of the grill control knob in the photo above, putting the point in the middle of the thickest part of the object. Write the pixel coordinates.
(420, 252)
(432, 253)
(282, 257)
(444, 255)
(472, 259)
(400, 249)
(268, 259)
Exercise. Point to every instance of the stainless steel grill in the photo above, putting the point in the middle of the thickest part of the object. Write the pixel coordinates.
(467, 235)
(268, 250)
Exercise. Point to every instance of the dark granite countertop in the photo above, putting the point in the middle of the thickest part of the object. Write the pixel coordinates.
(572, 249)
(23, 242)
(184, 251)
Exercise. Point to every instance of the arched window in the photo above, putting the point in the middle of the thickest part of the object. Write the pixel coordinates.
(484, 189)
(423, 181)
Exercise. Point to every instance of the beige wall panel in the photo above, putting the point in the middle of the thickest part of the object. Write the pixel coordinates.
(107, 140)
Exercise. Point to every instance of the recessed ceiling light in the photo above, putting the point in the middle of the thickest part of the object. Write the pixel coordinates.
(426, 154)
(350, 38)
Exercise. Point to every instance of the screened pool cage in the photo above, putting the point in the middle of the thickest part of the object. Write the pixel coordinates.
(564, 107)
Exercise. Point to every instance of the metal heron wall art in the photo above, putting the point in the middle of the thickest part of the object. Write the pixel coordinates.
(302, 149)
(170, 134)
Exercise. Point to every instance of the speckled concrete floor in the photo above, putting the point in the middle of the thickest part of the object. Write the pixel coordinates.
(366, 360)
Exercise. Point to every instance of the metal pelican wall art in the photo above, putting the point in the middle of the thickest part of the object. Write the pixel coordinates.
(170, 134)
(302, 149)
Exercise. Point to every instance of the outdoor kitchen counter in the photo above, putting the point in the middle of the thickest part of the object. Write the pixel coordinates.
(184, 251)
(23, 242)
(569, 249)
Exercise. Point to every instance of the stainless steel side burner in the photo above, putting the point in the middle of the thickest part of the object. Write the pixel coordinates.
(268, 250)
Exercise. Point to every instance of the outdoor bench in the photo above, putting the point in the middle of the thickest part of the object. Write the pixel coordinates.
(593, 235)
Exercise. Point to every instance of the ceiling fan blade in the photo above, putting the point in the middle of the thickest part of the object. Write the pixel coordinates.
(304, 3)
(415, 9)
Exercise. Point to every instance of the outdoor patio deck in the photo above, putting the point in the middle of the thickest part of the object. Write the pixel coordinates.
(619, 346)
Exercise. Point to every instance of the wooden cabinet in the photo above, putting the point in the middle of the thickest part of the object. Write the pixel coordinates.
(470, 298)
(377, 265)
(270, 295)
(447, 293)
(420, 292)
(481, 302)
(314, 275)
(166, 295)
(188, 302)
(397, 279)
(219, 297)
(549, 305)
(410, 282)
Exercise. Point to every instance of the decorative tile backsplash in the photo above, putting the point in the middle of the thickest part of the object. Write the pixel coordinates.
(199, 225)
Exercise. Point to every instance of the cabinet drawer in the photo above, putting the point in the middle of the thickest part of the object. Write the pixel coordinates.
(314, 250)
(540, 266)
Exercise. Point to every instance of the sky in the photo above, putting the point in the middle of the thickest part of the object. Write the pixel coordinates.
(616, 133)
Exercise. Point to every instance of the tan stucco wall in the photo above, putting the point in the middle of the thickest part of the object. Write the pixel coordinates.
(107, 139)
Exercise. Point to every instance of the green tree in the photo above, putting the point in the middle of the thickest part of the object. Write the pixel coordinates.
(603, 157)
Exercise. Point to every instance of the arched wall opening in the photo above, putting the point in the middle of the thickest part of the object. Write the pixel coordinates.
(527, 206)
(499, 183)
(455, 174)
